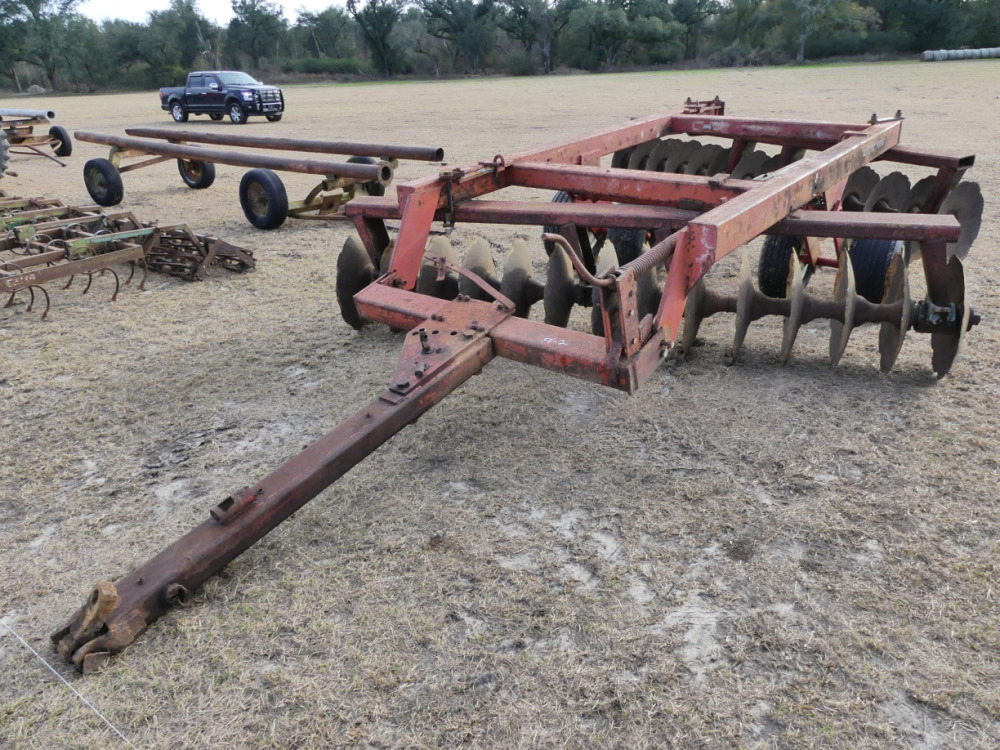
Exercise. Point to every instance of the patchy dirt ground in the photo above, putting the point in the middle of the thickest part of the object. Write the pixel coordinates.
(755, 556)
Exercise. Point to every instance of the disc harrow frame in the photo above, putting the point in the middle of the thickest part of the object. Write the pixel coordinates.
(18, 128)
(458, 320)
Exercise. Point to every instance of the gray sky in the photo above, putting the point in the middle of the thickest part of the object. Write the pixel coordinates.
(219, 11)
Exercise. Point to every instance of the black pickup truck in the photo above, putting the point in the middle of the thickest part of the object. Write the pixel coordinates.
(217, 93)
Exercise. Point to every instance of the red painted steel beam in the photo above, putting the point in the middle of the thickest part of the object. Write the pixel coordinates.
(444, 361)
(869, 225)
(627, 185)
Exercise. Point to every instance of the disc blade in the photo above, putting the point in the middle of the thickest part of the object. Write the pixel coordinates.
(558, 298)
(694, 313)
(478, 260)
(698, 162)
(945, 346)
(355, 271)
(516, 277)
(750, 165)
(605, 261)
(795, 292)
(892, 335)
(660, 153)
(889, 194)
(859, 186)
(844, 291)
(965, 203)
(744, 305)
(679, 156)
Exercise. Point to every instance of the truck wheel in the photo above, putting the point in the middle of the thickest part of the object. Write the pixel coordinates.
(263, 198)
(178, 112)
(368, 188)
(274, 118)
(63, 145)
(236, 113)
(216, 117)
(197, 175)
(103, 182)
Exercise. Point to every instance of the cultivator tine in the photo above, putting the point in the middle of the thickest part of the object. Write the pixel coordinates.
(355, 271)
(517, 283)
(31, 303)
(859, 186)
(479, 261)
(965, 203)
(889, 194)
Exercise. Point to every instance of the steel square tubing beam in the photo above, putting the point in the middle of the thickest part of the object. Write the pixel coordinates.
(380, 150)
(717, 233)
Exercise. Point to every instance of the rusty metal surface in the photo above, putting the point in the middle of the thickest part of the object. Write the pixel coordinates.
(376, 150)
(381, 173)
(434, 362)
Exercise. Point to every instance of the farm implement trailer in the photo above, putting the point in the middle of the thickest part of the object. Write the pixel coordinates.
(18, 136)
(42, 240)
(368, 170)
(459, 317)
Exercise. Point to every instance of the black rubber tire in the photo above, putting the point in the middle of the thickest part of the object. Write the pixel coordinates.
(263, 198)
(197, 175)
(216, 117)
(178, 112)
(628, 243)
(273, 118)
(772, 269)
(103, 181)
(870, 260)
(561, 197)
(64, 147)
(237, 113)
(374, 187)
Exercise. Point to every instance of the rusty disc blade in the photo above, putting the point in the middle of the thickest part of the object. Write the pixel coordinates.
(660, 153)
(679, 156)
(478, 260)
(892, 335)
(640, 154)
(750, 165)
(516, 277)
(844, 291)
(945, 346)
(605, 261)
(965, 203)
(744, 305)
(558, 289)
(889, 194)
(699, 161)
(719, 162)
(859, 186)
(427, 281)
(795, 292)
(620, 158)
(355, 271)
(693, 315)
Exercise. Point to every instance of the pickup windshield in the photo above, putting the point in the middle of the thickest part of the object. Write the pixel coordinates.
(237, 79)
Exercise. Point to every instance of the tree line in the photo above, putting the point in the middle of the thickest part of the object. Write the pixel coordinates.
(48, 43)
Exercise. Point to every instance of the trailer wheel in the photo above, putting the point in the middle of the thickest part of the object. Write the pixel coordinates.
(178, 112)
(215, 117)
(374, 187)
(237, 113)
(627, 242)
(871, 260)
(197, 175)
(772, 269)
(64, 144)
(274, 118)
(263, 198)
(103, 181)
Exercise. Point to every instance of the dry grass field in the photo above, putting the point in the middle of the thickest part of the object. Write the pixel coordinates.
(738, 556)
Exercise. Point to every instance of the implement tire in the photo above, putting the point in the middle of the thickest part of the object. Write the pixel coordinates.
(263, 198)
(103, 181)
(63, 144)
(772, 268)
(197, 175)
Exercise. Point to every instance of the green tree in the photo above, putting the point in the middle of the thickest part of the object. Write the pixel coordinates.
(326, 34)
(46, 34)
(803, 18)
(537, 22)
(377, 19)
(693, 14)
(257, 28)
(467, 24)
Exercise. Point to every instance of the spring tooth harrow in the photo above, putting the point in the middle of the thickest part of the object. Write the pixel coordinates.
(44, 240)
(459, 317)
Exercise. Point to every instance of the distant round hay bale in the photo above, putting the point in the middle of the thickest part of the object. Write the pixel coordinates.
(927, 56)
(940, 54)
